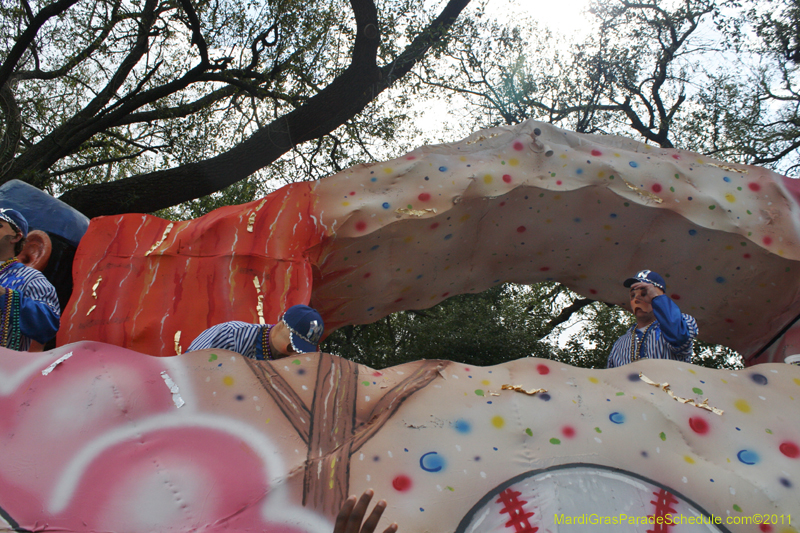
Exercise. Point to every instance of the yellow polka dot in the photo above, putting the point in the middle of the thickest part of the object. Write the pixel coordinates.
(742, 405)
(485, 383)
(594, 380)
(345, 204)
(729, 247)
(582, 276)
(617, 155)
(557, 197)
(607, 227)
(796, 381)
(268, 419)
(408, 239)
(498, 421)
(731, 198)
(462, 158)
(388, 170)
(405, 289)
(601, 174)
(563, 156)
(487, 179)
(699, 160)
(409, 270)
(548, 221)
(692, 371)
(447, 267)
(227, 380)
(722, 380)
(513, 162)
(787, 529)
(464, 218)
(688, 459)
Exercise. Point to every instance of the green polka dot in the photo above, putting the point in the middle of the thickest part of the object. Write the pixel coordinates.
(697, 390)
(479, 392)
(626, 204)
(451, 489)
(212, 358)
(672, 189)
(296, 362)
(555, 441)
(677, 177)
(529, 432)
(598, 430)
(769, 431)
(365, 383)
(712, 207)
(663, 435)
(698, 267)
(737, 508)
(620, 394)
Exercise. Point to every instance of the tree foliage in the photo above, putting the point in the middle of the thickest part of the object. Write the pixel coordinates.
(140, 105)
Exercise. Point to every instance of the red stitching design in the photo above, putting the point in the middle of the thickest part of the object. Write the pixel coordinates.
(518, 517)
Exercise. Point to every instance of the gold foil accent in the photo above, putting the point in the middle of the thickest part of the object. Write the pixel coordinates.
(178, 342)
(480, 138)
(644, 194)
(729, 169)
(260, 304)
(414, 212)
(251, 220)
(690, 401)
(519, 388)
(90, 310)
(161, 241)
(94, 287)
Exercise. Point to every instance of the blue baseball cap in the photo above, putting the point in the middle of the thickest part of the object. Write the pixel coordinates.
(647, 276)
(305, 328)
(16, 219)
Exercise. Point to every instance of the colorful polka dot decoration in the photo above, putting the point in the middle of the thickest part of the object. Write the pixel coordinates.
(521, 204)
(277, 447)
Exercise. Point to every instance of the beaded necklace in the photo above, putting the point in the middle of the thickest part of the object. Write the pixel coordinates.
(634, 355)
(7, 263)
(265, 347)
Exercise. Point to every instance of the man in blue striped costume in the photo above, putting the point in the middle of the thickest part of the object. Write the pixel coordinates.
(29, 307)
(661, 330)
(298, 331)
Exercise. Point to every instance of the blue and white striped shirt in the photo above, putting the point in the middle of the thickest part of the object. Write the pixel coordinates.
(39, 313)
(235, 336)
(671, 336)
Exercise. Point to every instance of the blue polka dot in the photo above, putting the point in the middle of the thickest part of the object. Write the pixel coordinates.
(432, 462)
(613, 215)
(577, 220)
(370, 309)
(634, 164)
(747, 457)
(373, 179)
(692, 232)
(761, 379)
(442, 169)
(544, 397)
(720, 279)
(726, 179)
(240, 397)
(786, 483)
(690, 198)
(386, 205)
(419, 277)
(617, 418)
(448, 236)
(495, 449)
(633, 376)
(374, 247)
(579, 171)
(462, 426)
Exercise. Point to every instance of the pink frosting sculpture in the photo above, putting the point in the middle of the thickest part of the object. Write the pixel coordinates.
(516, 204)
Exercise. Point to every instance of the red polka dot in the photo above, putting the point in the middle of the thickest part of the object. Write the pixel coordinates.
(790, 449)
(352, 193)
(559, 182)
(656, 187)
(698, 425)
(592, 291)
(411, 157)
(675, 156)
(729, 320)
(361, 225)
(568, 431)
(466, 369)
(766, 528)
(518, 146)
(521, 229)
(746, 256)
(767, 241)
(434, 225)
(543, 369)
(596, 153)
(445, 295)
(377, 374)
(675, 296)
(755, 187)
(544, 269)
(502, 204)
(398, 300)
(424, 197)
(368, 274)
(401, 483)
(507, 178)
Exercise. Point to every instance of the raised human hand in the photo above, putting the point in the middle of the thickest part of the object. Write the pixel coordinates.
(352, 514)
